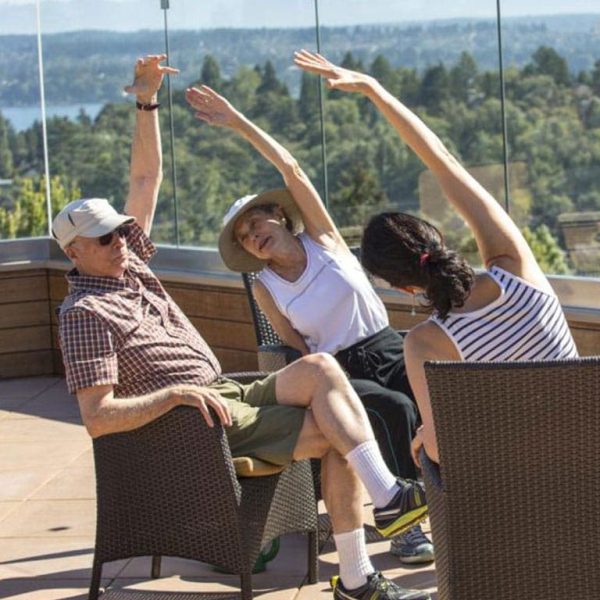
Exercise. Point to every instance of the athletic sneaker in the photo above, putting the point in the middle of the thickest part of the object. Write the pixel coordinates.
(413, 547)
(377, 587)
(406, 509)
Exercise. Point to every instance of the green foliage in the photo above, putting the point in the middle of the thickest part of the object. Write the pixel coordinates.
(546, 61)
(211, 73)
(27, 215)
(550, 256)
(463, 78)
(358, 195)
(435, 88)
(554, 148)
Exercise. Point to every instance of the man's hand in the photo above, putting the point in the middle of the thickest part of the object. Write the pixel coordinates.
(211, 107)
(202, 398)
(148, 75)
(337, 78)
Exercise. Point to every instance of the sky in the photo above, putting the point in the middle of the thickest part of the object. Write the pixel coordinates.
(18, 16)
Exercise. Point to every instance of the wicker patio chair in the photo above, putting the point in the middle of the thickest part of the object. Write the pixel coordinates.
(515, 503)
(273, 354)
(169, 489)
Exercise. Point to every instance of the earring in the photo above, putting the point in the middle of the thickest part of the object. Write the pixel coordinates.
(413, 308)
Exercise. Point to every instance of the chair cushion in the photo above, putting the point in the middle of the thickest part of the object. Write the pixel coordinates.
(246, 466)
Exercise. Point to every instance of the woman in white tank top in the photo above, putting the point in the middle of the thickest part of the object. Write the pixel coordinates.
(509, 312)
(316, 294)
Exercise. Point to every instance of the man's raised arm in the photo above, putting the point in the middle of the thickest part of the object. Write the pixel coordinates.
(145, 173)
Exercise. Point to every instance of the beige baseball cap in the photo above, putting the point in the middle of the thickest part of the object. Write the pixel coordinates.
(87, 217)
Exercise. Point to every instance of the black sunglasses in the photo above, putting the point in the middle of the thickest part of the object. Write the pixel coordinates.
(107, 238)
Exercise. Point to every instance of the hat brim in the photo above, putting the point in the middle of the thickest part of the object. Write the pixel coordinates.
(232, 253)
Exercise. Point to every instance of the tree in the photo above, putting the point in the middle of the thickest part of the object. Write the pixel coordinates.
(358, 195)
(547, 61)
(409, 86)
(435, 88)
(269, 81)
(463, 77)
(349, 62)
(6, 158)
(308, 103)
(545, 248)
(28, 215)
(211, 73)
(596, 78)
(383, 72)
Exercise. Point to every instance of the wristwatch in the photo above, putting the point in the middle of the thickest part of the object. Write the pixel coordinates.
(147, 107)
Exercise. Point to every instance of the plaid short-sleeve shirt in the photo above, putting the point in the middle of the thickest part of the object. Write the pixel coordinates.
(129, 332)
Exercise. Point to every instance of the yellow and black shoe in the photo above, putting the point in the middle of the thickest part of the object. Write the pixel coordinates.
(377, 587)
(406, 509)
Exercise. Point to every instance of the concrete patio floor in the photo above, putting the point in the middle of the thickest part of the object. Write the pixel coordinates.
(47, 519)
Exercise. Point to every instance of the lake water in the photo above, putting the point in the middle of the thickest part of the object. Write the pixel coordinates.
(22, 117)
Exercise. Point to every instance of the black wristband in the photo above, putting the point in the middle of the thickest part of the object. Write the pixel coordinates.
(147, 107)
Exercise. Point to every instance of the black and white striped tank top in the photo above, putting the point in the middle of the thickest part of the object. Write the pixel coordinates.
(523, 323)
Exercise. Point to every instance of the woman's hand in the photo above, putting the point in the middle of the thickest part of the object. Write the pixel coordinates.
(336, 77)
(416, 445)
(211, 107)
(148, 76)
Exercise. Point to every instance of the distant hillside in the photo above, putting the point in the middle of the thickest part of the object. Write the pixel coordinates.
(91, 66)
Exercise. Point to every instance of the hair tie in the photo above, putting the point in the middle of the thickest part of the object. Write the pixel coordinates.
(423, 258)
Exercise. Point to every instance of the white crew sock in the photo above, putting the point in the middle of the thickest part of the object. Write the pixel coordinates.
(355, 563)
(371, 469)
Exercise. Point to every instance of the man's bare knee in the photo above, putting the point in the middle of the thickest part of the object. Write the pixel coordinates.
(324, 366)
(297, 384)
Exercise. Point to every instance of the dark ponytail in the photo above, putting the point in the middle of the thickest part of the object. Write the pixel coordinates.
(406, 251)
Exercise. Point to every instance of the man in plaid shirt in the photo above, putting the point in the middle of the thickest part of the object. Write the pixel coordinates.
(131, 355)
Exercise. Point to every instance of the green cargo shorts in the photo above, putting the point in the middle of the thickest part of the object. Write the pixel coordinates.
(261, 428)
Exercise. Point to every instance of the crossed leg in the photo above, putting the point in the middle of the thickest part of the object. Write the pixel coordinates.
(335, 424)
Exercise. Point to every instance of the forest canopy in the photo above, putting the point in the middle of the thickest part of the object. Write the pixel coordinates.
(553, 118)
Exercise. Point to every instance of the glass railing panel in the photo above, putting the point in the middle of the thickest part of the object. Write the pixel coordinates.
(246, 56)
(22, 188)
(553, 113)
(441, 60)
(88, 56)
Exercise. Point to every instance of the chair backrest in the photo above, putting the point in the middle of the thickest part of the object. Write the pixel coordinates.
(265, 334)
(176, 492)
(518, 510)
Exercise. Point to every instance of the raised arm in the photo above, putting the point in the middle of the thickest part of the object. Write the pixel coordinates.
(145, 174)
(217, 111)
(498, 238)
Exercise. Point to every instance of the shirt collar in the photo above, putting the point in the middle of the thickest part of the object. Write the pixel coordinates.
(78, 282)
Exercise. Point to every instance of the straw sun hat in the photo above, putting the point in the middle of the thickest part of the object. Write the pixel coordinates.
(232, 253)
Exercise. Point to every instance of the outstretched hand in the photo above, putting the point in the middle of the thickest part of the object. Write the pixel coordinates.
(211, 107)
(336, 78)
(148, 75)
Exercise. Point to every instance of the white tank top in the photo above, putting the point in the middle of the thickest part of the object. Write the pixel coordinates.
(523, 323)
(332, 304)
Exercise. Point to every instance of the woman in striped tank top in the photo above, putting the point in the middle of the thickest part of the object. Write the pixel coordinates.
(508, 312)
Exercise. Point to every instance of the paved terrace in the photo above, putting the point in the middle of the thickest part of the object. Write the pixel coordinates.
(47, 518)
